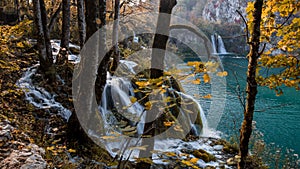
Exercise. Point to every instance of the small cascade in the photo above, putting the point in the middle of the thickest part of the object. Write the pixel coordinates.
(213, 42)
(218, 44)
(221, 45)
(205, 128)
(38, 96)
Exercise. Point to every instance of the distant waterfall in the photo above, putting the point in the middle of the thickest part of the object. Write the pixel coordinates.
(218, 44)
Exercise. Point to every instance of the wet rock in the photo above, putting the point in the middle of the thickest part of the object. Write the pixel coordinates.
(218, 147)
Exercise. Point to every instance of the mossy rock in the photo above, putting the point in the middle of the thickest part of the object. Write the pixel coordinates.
(205, 156)
(228, 147)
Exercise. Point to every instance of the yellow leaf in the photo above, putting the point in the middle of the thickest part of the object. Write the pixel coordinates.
(167, 73)
(133, 99)
(168, 123)
(50, 148)
(20, 45)
(222, 74)
(197, 81)
(170, 154)
(207, 96)
(148, 105)
(72, 151)
(206, 78)
(187, 163)
(194, 160)
(142, 84)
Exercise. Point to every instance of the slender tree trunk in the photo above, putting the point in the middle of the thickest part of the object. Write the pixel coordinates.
(44, 46)
(91, 17)
(65, 37)
(81, 22)
(103, 67)
(116, 53)
(157, 64)
(18, 9)
(161, 37)
(54, 17)
(46, 32)
(251, 89)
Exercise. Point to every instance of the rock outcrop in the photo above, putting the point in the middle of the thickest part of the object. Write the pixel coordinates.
(224, 11)
(16, 151)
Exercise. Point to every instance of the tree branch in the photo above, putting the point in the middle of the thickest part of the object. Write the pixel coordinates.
(287, 19)
(54, 17)
(247, 29)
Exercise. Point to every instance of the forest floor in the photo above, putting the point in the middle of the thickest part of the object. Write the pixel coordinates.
(25, 127)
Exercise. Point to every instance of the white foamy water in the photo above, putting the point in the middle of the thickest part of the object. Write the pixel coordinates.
(38, 96)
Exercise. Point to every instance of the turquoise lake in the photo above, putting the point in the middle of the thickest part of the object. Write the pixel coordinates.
(276, 117)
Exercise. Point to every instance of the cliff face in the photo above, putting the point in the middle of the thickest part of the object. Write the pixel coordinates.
(224, 11)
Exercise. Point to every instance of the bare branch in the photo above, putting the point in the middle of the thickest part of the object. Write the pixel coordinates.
(290, 15)
(54, 17)
(247, 29)
(262, 50)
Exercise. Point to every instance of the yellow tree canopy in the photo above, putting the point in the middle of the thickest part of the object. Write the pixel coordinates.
(281, 34)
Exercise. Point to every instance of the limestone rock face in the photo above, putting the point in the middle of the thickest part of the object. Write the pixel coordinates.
(224, 11)
(17, 151)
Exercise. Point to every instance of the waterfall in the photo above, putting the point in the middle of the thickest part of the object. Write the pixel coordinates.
(218, 44)
(213, 43)
(221, 45)
(38, 96)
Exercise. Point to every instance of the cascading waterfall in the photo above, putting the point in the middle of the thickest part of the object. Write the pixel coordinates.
(38, 96)
(218, 44)
(221, 45)
(213, 42)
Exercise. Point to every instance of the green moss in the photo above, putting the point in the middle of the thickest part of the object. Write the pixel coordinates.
(205, 156)
(231, 148)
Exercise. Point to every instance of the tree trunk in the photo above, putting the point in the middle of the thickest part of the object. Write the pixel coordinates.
(44, 46)
(251, 89)
(54, 17)
(17, 9)
(81, 22)
(161, 37)
(103, 67)
(91, 17)
(86, 82)
(65, 37)
(116, 53)
(157, 64)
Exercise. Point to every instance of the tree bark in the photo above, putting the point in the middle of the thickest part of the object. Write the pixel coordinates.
(44, 46)
(65, 36)
(81, 22)
(161, 37)
(116, 53)
(157, 64)
(251, 89)
(54, 17)
(65, 24)
(103, 67)
(91, 17)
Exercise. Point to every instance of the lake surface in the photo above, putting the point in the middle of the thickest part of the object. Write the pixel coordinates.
(277, 117)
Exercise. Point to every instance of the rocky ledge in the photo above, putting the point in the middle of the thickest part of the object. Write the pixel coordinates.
(17, 151)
